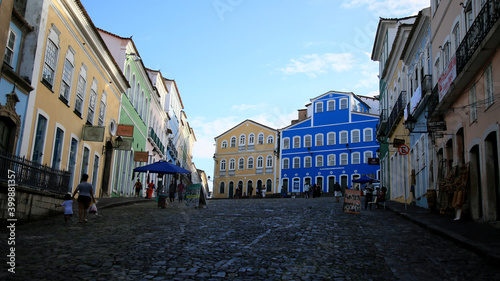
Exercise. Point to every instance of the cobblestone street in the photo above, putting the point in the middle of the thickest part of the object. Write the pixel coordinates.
(246, 239)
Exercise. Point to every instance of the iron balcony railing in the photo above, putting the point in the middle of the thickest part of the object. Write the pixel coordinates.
(399, 107)
(156, 140)
(486, 18)
(172, 150)
(382, 123)
(33, 175)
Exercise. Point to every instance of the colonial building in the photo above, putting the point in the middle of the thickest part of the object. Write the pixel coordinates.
(77, 92)
(390, 40)
(332, 141)
(466, 61)
(246, 159)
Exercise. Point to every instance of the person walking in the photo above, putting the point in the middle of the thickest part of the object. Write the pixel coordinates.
(337, 191)
(171, 191)
(138, 187)
(306, 190)
(85, 196)
(68, 207)
(151, 188)
(368, 196)
(180, 191)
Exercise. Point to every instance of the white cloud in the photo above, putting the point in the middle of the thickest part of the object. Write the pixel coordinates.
(316, 64)
(386, 8)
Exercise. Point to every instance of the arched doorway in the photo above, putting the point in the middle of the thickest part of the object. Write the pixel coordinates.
(259, 187)
(231, 189)
(476, 204)
(10, 124)
(492, 176)
(250, 188)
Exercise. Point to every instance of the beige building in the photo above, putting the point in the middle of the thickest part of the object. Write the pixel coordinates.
(246, 160)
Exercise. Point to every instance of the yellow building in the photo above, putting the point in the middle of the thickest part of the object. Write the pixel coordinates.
(246, 160)
(76, 99)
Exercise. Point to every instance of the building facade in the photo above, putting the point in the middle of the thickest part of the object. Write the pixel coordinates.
(390, 40)
(246, 160)
(332, 141)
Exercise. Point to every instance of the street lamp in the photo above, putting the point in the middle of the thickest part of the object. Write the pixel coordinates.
(347, 147)
(410, 123)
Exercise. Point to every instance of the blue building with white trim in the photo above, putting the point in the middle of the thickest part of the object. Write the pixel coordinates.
(331, 141)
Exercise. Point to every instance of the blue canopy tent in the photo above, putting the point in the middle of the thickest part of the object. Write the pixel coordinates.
(162, 167)
(365, 179)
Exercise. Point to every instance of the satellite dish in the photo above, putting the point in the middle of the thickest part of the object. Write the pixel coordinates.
(112, 127)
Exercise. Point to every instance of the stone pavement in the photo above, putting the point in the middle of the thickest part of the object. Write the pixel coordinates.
(239, 239)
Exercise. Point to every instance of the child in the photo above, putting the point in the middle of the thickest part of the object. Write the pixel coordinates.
(68, 207)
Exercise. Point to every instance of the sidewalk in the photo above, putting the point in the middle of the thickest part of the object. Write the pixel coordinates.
(481, 239)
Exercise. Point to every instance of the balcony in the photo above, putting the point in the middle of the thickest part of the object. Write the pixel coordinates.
(382, 124)
(155, 141)
(476, 34)
(172, 150)
(396, 112)
(33, 175)
(426, 84)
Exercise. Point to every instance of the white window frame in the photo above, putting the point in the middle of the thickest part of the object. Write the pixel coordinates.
(319, 107)
(232, 164)
(10, 48)
(260, 162)
(51, 57)
(331, 160)
(242, 140)
(67, 76)
(54, 148)
(286, 143)
(251, 139)
(224, 144)
(330, 105)
(296, 162)
(296, 142)
(308, 162)
(366, 155)
(344, 103)
(250, 163)
(232, 142)
(43, 138)
(343, 134)
(241, 163)
(260, 138)
(286, 163)
(102, 110)
(270, 140)
(307, 141)
(367, 132)
(223, 165)
(80, 91)
(334, 138)
(320, 161)
(92, 102)
(319, 139)
(344, 159)
(489, 92)
(355, 158)
(269, 161)
(355, 136)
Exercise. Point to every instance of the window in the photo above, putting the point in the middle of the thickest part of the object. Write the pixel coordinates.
(368, 135)
(102, 110)
(319, 107)
(127, 76)
(331, 138)
(307, 162)
(260, 162)
(72, 161)
(319, 140)
(67, 77)
(286, 163)
(343, 137)
(469, 17)
(437, 69)
(57, 151)
(367, 154)
(307, 141)
(132, 90)
(473, 103)
(446, 54)
(232, 165)
(456, 36)
(269, 185)
(223, 165)
(355, 158)
(137, 96)
(331, 105)
(95, 171)
(251, 139)
(92, 103)
(296, 163)
(51, 55)
(488, 87)
(355, 136)
(250, 163)
(224, 144)
(85, 161)
(80, 91)
(233, 142)
(319, 161)
(270, 140)
(343, 104)
(242, 140)
(10, 49)
(241, 164)
(343, 159)
(331, 160)
(39, 144)
(222, 188)
(286, 143)
(296, 142)
(269, 161)
(260, 138)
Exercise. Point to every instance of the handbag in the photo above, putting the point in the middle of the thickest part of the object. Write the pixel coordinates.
(93, 209)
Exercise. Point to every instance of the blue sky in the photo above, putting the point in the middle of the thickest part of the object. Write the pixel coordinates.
(261, 60)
